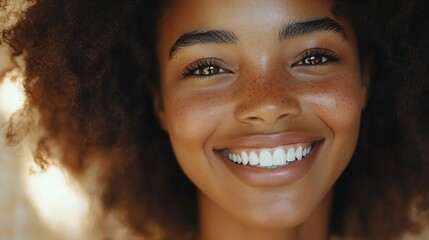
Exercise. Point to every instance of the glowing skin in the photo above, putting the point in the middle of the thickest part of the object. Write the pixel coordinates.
(264, 95)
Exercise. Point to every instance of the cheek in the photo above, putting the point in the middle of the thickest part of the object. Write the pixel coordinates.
(192, 117)
(338, 103)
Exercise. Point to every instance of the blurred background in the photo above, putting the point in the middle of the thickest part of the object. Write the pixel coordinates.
(48, 204)
(34, 204)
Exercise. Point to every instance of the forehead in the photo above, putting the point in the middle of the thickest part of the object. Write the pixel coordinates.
(251, 19)
(187, 14)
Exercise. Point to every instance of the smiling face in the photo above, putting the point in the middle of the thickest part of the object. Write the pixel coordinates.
(262, 103)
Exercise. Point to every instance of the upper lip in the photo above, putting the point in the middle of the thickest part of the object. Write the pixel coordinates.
(268, 140)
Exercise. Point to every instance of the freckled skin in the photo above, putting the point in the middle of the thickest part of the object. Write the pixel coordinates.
(264, 93)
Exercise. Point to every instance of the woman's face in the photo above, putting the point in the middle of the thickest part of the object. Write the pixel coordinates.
(262, 102)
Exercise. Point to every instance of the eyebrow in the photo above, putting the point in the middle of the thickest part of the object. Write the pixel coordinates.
(299, 28)
(203, 37)
(288, 31)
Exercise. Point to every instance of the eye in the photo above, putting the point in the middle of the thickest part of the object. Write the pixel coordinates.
(316, 57)
(204, 68)
(314, 60)
(208, 70)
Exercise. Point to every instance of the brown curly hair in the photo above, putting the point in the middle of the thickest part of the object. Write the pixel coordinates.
(91, 70)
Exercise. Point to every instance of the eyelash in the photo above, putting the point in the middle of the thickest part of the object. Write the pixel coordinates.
(202, 64)
(316, 52)
(214, 63)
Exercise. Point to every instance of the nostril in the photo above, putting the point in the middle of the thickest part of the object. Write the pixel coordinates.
(266, 114)
(285, 115)
(254, 119)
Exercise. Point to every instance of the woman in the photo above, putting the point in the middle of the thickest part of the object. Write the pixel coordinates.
(292, 120)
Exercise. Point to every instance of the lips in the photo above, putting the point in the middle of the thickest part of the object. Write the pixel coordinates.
(269, 157)
(269, 151)
(270, 160)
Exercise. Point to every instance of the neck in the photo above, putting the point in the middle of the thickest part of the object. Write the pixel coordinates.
(215, 224)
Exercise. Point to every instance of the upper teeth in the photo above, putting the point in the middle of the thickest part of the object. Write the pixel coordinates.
(269, 158)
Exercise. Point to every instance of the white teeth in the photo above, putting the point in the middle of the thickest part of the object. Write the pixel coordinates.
(239, 159)
(279, 157)
(253, 159)
(245, 158)
(268, 159)
(307, 151)
(265, 159)
(298, 153)
(290, 156)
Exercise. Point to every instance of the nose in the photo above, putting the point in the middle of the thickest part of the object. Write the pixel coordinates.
(266, 101)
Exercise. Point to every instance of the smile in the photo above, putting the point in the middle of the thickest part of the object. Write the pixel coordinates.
(269, 157)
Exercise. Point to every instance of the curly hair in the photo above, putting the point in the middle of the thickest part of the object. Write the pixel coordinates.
(91, 70)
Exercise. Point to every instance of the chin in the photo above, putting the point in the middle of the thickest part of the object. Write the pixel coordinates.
(279, 213)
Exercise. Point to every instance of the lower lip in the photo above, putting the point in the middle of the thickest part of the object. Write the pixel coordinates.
(276, 177)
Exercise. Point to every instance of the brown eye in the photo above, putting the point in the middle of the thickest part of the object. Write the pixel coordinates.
(316, 57)
(205, 68)
(208, 70)
(314, 60)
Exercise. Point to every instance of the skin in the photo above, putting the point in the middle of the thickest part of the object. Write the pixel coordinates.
(266, 97)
